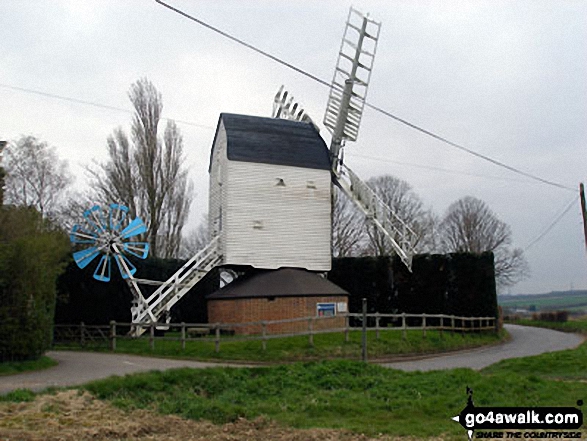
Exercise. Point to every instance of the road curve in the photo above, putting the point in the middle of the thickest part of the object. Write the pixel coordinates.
(76, 368)
(525, 341)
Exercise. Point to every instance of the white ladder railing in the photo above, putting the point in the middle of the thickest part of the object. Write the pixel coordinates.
(401, 237)
(158, 304)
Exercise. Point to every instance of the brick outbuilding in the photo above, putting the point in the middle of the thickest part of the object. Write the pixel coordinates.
(282, 294)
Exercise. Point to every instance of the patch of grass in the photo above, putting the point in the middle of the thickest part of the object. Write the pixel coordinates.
(562, 365)
(16, 367)
(18, 396)
(342, 394)
(326, 346)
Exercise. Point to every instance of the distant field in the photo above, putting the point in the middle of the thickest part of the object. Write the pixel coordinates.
(575, 301)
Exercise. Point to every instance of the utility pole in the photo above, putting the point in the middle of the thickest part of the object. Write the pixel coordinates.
(2, 173)
(583, 211)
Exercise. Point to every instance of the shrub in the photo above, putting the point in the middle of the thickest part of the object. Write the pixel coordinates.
(32, 255)
(551, 316)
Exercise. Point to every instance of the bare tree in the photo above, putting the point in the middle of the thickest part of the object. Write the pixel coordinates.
(148, 174)
(470, 226)
(35, 176)
(406, 204)
(196, 239)
(348, 227)
(71, 210)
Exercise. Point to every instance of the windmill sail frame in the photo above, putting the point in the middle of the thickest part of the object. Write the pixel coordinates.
(350, 82)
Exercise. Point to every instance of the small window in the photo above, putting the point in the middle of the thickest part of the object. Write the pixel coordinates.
(311, 184)
(326, 309)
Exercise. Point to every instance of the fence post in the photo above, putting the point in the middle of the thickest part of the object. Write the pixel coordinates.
(217, 340)
(441, 329)
(152, 336)
(183, 336)
(264, 334)
(377, 326)
(364, 336)
(112, 335)
(424, 325)
(82, 337)
(346, 328)
(404, 336)
(452, 323)
(311, 331)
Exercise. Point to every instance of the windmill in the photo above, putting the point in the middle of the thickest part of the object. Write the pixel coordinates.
(342, 118)
(270, 191)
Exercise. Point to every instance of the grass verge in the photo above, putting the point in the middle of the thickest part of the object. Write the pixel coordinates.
(326, 346)
(363, 398)
(16, 367)
(562, 365)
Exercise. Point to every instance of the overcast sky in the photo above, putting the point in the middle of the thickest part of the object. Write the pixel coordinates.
(506, 79)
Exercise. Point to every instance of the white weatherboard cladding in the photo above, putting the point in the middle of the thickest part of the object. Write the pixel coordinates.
(276, 216)
(216, 196)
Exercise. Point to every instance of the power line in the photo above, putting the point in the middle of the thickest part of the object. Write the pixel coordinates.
(371, 106)
(94, 104)
(467, 150)
(552, 225)
(433, 168)
(244, 43)
(119, 109)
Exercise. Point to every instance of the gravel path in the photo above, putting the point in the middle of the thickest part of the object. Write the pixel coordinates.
(76, 368)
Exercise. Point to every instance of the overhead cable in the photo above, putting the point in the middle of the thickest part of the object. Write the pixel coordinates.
(98, 105)
(552, 225)
(438, 169)
(367, 104)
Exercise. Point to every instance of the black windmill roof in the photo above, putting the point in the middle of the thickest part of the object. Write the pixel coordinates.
(273, 141)
(284, 282)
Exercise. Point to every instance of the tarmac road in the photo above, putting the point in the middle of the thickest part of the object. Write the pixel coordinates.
(525, 341)
(76, 368)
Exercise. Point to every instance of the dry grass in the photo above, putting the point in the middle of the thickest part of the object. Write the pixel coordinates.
(76, 416)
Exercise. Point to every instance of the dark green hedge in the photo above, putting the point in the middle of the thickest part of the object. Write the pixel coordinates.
(460, 284)
(31, 257)
(84, 299)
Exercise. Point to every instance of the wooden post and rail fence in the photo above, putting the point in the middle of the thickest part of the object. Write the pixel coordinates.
(108, 335)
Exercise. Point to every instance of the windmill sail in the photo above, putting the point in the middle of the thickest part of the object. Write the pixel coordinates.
(398, 233)
(348, 90)
(343, 117)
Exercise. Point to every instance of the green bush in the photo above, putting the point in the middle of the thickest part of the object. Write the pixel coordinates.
(457, 284)
(32, 255)
(84, 299)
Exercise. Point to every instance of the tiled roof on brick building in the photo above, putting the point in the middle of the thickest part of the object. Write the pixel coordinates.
(284, 282)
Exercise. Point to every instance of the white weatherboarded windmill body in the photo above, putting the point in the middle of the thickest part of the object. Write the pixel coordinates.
(270, 193)
(271, 183)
